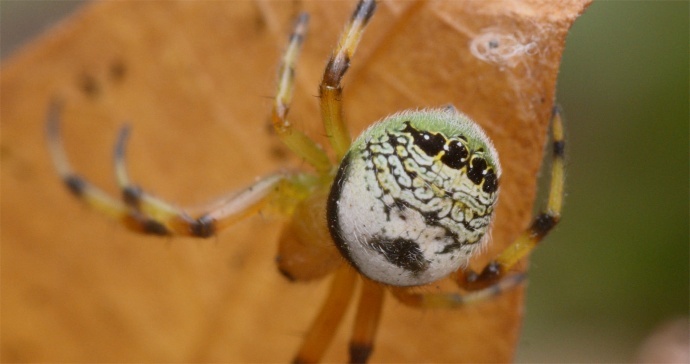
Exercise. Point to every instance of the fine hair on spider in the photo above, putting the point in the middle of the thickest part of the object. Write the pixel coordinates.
(409, 202)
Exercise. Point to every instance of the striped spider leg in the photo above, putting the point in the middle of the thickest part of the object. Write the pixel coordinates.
(344, 282)
(144, 213)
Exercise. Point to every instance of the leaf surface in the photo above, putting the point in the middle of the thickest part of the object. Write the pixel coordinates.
(195, 79)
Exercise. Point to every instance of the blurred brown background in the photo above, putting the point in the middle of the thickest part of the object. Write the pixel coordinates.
(618, 264)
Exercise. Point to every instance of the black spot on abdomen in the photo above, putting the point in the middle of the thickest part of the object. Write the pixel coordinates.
(403, 253)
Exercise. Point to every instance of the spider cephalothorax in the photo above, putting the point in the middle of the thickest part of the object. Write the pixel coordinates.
(407, 203)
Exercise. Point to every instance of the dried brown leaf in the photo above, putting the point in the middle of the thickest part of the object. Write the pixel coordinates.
(195, 80)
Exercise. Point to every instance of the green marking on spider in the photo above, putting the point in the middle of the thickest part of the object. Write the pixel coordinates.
(414, 196)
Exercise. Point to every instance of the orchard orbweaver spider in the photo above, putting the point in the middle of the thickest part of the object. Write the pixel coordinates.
(411, 202)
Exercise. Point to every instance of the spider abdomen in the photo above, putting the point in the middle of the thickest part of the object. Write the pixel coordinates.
(414, 196)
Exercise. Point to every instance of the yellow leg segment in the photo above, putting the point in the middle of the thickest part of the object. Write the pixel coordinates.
(540, 227)
(330, 89)
(79, 187)
(132, 195)
(299, 143)
(552, 213)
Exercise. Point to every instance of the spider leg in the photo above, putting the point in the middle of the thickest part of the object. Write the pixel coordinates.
(450, 300)
(331, 90)
(133, 195)
(366, 321)
(297, 141)
(540, 227)
(83, 189)
(322, 329)
(143, 213)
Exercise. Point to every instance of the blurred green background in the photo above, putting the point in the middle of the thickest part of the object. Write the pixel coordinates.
(617, 266)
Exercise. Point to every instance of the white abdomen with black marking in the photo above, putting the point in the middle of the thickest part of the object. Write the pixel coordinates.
(414, 197)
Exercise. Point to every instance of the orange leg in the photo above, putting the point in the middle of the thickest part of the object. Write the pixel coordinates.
(367, 321)
(324, 326)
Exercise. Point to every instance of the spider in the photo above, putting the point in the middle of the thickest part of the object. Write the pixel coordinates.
(410, 202)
